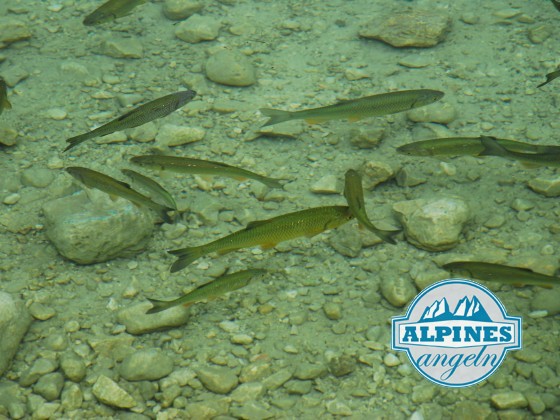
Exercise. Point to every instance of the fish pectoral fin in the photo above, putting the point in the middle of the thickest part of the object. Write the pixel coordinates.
(268, 245)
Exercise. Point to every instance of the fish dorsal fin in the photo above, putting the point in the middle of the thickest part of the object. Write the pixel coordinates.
(255, 223)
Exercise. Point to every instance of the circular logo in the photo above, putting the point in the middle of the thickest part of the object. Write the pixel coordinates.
(456, 333)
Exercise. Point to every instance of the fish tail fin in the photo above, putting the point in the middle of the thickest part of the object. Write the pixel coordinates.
(276, 116)
(492, 147)
(6, 104)
(158, 305)
(185, 256)
(74, 141)
(388, 235)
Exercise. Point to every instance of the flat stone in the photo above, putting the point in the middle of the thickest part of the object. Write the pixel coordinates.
(8, 136)
(37, 177)
(547, 300)
(376, 172)
(137, 322)
(248, 391)
(338, 408)
(509, 399)
(440, 113)
(181, 9)
(366, 138)
(434, 225)
(40, 367)
(329, 184)
(332, 311)
(540, 33)
(409, 28)
(198, 28)
(217, 379)
(14, 323)
(13, 30)
(346, 240)
(122, 48)
(49, 386)
(73, 366)
(397, 290)
(230, 68)
(298, 387)
(252, 410)
(146, 365)
(175, 135)
(277, 379)
(90, 227)
(306, 371)
(549, 187)
(109, 392)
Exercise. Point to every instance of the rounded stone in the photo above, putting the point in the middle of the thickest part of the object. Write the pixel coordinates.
(231, 68)
(146, 365)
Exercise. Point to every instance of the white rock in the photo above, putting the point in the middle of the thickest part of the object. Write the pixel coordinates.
(175, 135)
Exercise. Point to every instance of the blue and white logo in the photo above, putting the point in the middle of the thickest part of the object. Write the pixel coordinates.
(456, 333)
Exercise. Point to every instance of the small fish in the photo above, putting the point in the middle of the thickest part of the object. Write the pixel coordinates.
(357, 109)
(268, 233)
(461, 146)
(152, 186)
(550, 76)
(205, 167)
(354, 194)
(493, 148)
(111, 186)
(4, 103)
(150, 111)
(111, 10)
(210, 290)
(502, 273)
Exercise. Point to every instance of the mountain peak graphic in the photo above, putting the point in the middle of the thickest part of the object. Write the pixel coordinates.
(465, 309)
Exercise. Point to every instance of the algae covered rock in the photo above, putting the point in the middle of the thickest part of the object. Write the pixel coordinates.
(231, 68)
(89, 230)
(14, 322)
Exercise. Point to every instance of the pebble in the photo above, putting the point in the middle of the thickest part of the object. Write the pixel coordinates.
(376, 172)
(145, 133)
(433, 225)
(342, 365)
(540, 33)
(41, 312)
(14, 74)
(248, 391)
(329, 184)
(390, 360)
(333, 311)
(407, 178)
(122, 48)
(536, 404)
(398, 291)
(547, 300)
(8, 136)
(416, 61)
(549, 187)
(356, 74)
(73, 366)
(346, 240)
(146, 365)
(520, 204)
(217, 379)
(72, 397)
(170, 135)
(495, 221)
(57, 114)
(423, 393)
(366, 138)
(338, 408)
(198, 28)
(508, 399)
(11, 199)
(231, 68)
(49, 386)
(89, 228)
(14, 323)
(306, 371)
(109, 392)
(439, 113)
(181, 9)
(241, 339)
(252, 410)
(37, 177)
(409, 28)
(295, 387)
(13, 30)
(277, 379)
(136, 321)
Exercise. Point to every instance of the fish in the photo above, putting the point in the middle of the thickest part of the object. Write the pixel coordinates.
(152, 186)
(268, 233)
(147, 112)
(493, 148)
(205, 167)
(502, 273)
(357, 109)
(111, 10)
(556, 4)
(460, 146)
(4, 102)
(550, 76)
(209, 291)
(354, 194)
(112, 186)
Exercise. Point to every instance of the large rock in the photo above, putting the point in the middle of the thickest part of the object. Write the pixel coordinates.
(409, 28)
(90, 227)
(14, 322)
(434, 225)
(230, 68)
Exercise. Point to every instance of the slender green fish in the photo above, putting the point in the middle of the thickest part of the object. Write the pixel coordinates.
(4, 103)
(210, 290)
(550, 77)
(112, 186)
(354, 194)
(357, 109)
(493, 148)
(502, 273)
(460, 146)
(111, 10)
(205, 167)
(268, 233)
(150, 111)
(152, 186)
